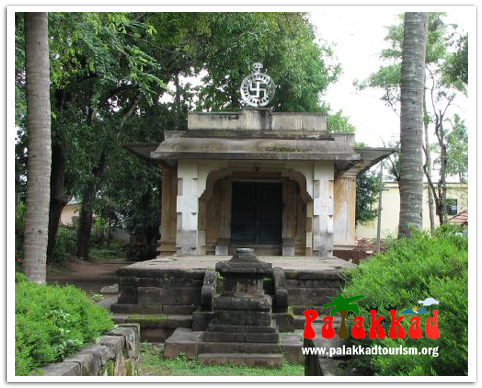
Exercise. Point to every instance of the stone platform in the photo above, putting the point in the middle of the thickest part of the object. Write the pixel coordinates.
(204, 262)
(166, 297)
(172, 285)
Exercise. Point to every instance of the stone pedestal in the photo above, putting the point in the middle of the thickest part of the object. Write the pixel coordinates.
(242, 313)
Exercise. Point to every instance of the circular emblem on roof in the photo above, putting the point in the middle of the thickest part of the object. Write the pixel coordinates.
(257, 89)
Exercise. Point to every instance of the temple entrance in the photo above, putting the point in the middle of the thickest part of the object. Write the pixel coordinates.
(256, 213)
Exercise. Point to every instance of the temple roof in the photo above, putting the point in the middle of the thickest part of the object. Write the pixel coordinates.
(260, 134)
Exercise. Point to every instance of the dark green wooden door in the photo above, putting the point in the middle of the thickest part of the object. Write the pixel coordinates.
(256, 212)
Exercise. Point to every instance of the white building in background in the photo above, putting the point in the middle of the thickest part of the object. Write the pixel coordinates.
(457, 198)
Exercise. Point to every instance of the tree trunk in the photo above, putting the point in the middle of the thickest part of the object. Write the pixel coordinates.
(342, 331)
(86, 216)
(58, 199)
(39, 145)
(411, 121)
(428, 164)
(178, 102)
(443, 183)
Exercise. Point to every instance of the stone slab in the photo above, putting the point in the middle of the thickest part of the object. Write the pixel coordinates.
(149, 295)
(219, 336)
(291, 345)
(254, 318)
(182, 340)
(161, 321)
(313, 283)
(191, 344)
(249, 359)
(201, 320)
(236, 303)
(62, 369)
(157, 334)
(122, 308)
(235, 347)
(178, 309)
(196, 266)
(181, 296)
(284, 321)
(311, 296)
(112, 289)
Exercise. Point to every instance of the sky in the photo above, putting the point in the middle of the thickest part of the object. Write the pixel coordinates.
(357, 36)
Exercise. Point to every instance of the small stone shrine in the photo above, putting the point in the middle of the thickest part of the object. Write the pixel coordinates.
(242, 313)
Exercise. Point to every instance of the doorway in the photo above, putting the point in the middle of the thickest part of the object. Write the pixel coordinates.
(256, 213)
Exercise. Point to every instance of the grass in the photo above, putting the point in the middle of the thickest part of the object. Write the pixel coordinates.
(106, 253)
(152, 364)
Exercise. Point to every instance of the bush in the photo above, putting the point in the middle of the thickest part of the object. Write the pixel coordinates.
(51, 322)
(425, 265)
(64, 245)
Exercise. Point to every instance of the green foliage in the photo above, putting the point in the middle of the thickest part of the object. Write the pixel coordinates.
(283, 42)
(338, 123)
(51, 322)
(456, 69)
(425, 265)
(152, 364)
(64, 245)
(111, 252)
(457, 140)
(367, 184)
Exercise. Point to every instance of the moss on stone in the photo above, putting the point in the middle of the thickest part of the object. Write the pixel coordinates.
(282, 149)
(147, 320)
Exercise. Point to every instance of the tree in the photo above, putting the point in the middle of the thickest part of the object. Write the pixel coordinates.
(283, 42)
(111, 74)
(343, 306)
(39, 145)
(440, 92)
(96, 71)
(411, 121)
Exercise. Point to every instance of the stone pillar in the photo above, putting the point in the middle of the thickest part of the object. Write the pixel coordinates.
(323, 175)
(187, 208)
(168, 208)
(345, 208)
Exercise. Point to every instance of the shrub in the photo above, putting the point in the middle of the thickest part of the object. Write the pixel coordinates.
(51, 322)
(64, 245)
(425, 265)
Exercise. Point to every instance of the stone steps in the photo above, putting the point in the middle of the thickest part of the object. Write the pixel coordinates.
(191, 344)
(155, 327)
(249, 359)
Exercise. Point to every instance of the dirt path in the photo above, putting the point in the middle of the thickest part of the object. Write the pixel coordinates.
(90, 276)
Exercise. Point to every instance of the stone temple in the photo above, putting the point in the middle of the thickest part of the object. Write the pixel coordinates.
(275, 191)
(273, 181)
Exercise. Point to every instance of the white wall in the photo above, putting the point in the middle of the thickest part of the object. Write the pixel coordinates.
(391, 209)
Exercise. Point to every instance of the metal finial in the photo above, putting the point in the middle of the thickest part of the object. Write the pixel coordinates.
(257, 89)
(257, 67)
